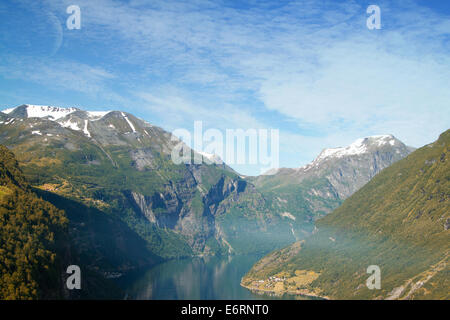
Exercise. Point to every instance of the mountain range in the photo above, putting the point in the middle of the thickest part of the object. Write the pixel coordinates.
(128, 205)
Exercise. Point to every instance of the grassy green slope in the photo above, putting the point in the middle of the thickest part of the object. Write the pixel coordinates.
(398, 221)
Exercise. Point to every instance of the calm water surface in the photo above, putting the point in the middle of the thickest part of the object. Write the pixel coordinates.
(196, 278)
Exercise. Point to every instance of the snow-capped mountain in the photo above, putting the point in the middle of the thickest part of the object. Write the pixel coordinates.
(63, 116)
(334, 175)
(106, 126)
(49, 112)
(359, 147)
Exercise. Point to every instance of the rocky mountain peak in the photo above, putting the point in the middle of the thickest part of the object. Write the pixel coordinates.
(359, 146)
(335, 174)
(80, 120)
(349, 168)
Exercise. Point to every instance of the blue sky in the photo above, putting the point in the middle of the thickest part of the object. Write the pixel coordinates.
(311, 69)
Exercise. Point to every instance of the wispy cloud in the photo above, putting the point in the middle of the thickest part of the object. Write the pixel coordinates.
(69, 76)
(177, 108)
(311, 68)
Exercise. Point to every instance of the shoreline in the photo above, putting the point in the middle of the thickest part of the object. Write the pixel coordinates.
(303, 292)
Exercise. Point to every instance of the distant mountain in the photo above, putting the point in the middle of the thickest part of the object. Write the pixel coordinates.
(306, 193)
(398, 221)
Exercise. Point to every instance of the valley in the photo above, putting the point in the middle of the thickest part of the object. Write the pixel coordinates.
(129, 207)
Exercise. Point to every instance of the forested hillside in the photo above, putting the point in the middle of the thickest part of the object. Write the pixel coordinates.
(32, 234)
(39, 240)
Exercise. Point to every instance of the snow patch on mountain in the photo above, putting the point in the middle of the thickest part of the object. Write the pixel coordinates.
(54, 113)
(360, 146)
(85, 130)
(8, 111)
(71, 125)
(129, 122)
(47, 111)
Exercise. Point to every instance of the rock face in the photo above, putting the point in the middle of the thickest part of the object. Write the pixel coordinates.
(178, 207)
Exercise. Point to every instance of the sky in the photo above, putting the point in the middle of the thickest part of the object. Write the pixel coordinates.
(311, 69)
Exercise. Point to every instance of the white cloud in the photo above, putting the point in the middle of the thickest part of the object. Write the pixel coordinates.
(53, 73)
(312, 63)
(178, 110)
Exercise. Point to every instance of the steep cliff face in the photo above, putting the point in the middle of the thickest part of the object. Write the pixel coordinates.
(187, 209)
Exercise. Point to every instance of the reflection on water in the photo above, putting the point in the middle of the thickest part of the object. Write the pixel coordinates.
(196, 278)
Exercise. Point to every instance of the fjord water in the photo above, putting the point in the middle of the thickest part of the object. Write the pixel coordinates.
(194, 278)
